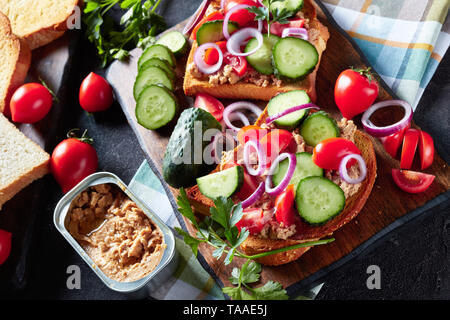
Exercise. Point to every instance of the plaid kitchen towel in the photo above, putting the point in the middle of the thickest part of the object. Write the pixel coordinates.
(404, 40)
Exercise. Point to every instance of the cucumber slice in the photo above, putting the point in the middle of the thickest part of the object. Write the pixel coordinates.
(261, 60)
(294, 58)
(319, 200)
(156, 62)
(155, 107)
(175, 41)
(157, 51)
(221, 184)
(212, 31)
(292, 6)
(285, 101)
(305, 168)
(149, 76)
(318, 127)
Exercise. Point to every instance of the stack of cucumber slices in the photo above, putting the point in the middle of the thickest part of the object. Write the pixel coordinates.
(156, 104)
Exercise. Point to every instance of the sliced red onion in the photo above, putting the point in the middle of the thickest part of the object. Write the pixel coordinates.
(378, 132)
(198, 15)
(291, 110)
(254, 197)
(226, 34)
(287, 178)
(239, 116)
(202, 66)
(238, 38)
(301, 33)
(227, 117)
(261, 156)
(362, 167)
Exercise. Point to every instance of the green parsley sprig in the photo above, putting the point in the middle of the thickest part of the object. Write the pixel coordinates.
(269, 14)
(219, 231)
(140, 24)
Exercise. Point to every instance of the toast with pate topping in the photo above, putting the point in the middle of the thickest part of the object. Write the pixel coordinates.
(253, 85)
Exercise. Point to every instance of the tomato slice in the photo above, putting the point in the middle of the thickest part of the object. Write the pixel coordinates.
(243, 16)
(252, 220)
(284, 206)
(392, 143)
(329, 153)
(250, 183)
(251, 132)
(426, 149)
(212, 56)
(239, 64)
(209, 103)
(410, 142)
(411, 181)
(276, 142)
(277, 28)
(216, 15)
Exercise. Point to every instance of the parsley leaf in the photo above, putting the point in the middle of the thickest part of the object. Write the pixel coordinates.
(251, 274)
(270, 291)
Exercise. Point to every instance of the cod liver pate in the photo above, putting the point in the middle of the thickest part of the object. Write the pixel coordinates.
(118, 236)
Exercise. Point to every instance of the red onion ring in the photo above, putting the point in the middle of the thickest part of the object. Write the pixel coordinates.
(215, 141)
(301, 33)
(199, 13)
(202, 66)
(378, 132)
(291, 110)
(254, 197)
(236, 106)
(239, 37)
(343, 169)
(287, 178)
(259, 150)
(226, 34)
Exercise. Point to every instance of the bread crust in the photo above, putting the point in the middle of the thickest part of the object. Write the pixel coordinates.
(243, 90)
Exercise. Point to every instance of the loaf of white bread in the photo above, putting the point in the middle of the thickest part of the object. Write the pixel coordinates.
(21, 161)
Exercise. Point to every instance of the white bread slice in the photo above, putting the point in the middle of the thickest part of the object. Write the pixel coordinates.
(21, 161)
(15, 59)
(39, 22)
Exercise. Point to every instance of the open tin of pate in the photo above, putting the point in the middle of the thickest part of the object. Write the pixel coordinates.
(138, 288)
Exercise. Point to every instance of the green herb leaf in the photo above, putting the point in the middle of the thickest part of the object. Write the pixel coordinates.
(185, 208)
(189, 240)
(270, 291)
(250, 275)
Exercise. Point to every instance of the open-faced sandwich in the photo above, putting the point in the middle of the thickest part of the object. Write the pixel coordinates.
(268, 47)
(299, 175)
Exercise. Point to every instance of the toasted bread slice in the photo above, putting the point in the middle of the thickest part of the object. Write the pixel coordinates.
(243, 90)
(39, 22)
(21, 161)
(15, 59)
(255, 244)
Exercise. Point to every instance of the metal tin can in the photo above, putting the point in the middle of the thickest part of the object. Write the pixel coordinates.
(136, 289)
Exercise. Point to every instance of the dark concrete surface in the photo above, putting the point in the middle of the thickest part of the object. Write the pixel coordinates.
(414, 260)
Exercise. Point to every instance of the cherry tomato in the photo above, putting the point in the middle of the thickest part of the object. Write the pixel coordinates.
(329, 153)
(216, 15)
(354, 92)
(212, 56)
(95, 93)
(248, 187)
(209, 103)
(5, 245)
(73, 160)
(30, 103)
(252, 220)
(239, 64)
(411, 181)
(276, 142)
(392, 143)
(277, 28)
(243, 16)
(251, 132)
(410, 142)
(426, 149)
(284, 206)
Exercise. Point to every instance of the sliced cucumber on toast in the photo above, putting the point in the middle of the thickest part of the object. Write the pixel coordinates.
(318, 127)
(221, 184)
(212, 31)
(285, 101)
(261, 60)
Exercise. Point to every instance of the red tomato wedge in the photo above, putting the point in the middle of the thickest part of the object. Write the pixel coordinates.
(329, 153)
(239, 64)
(243, 16)
(410, 142)
(5, 245)
(252, 220)
(276, 142)
(217, 15)
(393, 142)
(251, 132)
(426, 149)
(411, 181)
(250, 183)
(284, 206)
(277, 28)
(209, 103)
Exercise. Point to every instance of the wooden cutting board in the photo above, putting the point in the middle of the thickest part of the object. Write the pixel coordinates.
(386, 205)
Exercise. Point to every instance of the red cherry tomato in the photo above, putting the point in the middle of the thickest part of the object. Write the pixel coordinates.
(329, 153)
(411, 181)
(95, 93)
(30, 103)
(73, 160)
(410, 142)
(248, 187)
(243, 16)
(5, 245)
(252, 220)
(354, 93)
(392, 143)
(276, 142)
(277, 28)
(212, 56)
(426, 149)
(239, 64)
(251, 132)
(216, 15)
(284, 206)
(209, 103)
